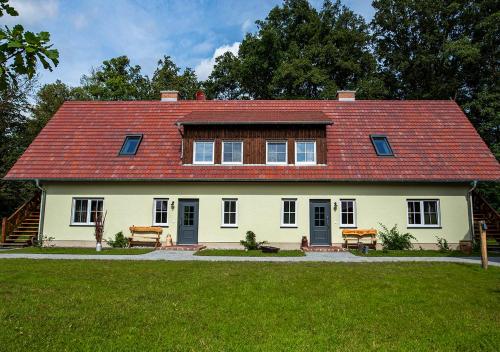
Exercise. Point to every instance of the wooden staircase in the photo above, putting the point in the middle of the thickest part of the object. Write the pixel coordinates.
(21, 228)
(483, 211)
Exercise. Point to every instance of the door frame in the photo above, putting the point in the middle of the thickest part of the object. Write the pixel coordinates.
(179, 219)
(327, 203)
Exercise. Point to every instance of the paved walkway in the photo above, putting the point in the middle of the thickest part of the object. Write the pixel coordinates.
(339, 257)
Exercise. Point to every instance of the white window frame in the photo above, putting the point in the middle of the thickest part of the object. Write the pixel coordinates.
(223, 224)
(282, 222)
(354, 217)
(89, 210)
(422, 217)
(194, 153)
(161, 224)
(232, 162)
(305, 162)
(286, 153)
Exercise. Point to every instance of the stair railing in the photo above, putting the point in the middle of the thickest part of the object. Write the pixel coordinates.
(12, 222)
(490, 213)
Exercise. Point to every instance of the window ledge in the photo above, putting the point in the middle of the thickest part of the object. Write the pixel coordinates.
(348, 227)
(229, 226)
(160, 225)
(82, 225)
(424, 227)
(288, 226)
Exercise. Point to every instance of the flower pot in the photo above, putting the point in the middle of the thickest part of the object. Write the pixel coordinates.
(98, 247)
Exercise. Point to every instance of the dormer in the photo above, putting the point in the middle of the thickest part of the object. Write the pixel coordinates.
(248, 137)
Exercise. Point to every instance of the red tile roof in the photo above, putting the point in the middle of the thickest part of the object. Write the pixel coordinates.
(211, 117)
(431, 140)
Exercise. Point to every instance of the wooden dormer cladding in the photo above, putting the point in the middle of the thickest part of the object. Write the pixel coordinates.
(254, 137)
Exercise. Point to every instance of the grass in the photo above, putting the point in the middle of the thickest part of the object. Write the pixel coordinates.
(419, 253)
(49, 305)
(74, 250)
(251, 253)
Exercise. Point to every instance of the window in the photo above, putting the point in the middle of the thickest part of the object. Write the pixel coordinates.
(85, 211)
(423, 213)
(131, 144)
(229, 211)
(160, 212)
(305, 152)
(347, 213)
(381, 145)
(288, 216)
(276, 152)
(203, 153)
(232, 152)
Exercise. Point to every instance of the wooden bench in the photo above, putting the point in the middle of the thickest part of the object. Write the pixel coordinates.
(354, 238)
(145, 236)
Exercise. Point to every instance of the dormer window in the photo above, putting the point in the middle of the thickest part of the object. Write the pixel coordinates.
(276, 153)
(305, 152)
(203, 152)
(232, 152)
(131, 144)
(381, 145)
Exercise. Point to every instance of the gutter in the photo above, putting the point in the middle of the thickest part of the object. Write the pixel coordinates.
(42, 210)
(471, 209)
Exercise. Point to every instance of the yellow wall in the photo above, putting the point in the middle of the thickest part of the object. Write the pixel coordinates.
(259, 208)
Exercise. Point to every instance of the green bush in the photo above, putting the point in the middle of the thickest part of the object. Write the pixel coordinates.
(120, 241)
(392, 239)
(443, 244)
(250, 241)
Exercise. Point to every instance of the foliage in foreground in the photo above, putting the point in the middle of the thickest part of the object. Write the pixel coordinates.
(212, 306)
(120, 241)
(392, 239)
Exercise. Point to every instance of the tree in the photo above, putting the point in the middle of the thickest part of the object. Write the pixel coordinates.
(166, 77)
(115, 79)
(14, 115)
(21, 51)
(444, 50)
(47, 101)
(300, 53)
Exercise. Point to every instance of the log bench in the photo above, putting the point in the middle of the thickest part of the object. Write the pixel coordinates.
(354, 238)
(145, 236)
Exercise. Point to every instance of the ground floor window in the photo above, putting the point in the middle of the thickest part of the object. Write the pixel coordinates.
(229, 212)
(160, 212)
(423, 213)
(288, 213)
(347, 213)
(86, 210)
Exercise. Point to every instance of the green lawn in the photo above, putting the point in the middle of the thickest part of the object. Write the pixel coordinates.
(49, 305)
(419, 253)
(73, 250)
(252, 253)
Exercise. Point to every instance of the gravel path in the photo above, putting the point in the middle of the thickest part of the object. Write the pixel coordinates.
(342, 257)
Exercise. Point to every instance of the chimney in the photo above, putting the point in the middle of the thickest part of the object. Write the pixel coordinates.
(169, 95)
(200, 95)
(346, 95)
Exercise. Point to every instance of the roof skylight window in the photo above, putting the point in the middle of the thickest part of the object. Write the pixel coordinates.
(381, 145)
(131, 144)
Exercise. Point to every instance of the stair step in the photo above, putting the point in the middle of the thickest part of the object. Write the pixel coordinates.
(13, 245)
(26, 231)
(21, 235)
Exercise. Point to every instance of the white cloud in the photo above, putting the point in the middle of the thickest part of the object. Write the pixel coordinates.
(246, 26)
(205, 67)
(33, 11)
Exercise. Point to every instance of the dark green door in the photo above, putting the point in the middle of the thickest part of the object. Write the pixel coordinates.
(319, 218)
(188, 222)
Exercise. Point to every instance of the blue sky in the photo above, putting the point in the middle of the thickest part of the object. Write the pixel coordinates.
(192, 32)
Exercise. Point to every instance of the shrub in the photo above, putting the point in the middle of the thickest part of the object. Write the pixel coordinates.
(120, 241)
(442, 244)
(250, 241)
(394, 240)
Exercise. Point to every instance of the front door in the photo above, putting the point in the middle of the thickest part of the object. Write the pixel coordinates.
(319, 218)
(188, 222)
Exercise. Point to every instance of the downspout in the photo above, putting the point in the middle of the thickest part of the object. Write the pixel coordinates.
(179, 128)
(42, 210)
(471, 209)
